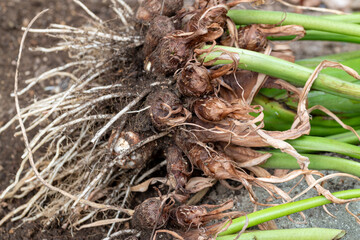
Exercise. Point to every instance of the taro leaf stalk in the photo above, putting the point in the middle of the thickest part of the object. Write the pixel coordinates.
(347, 137)
(275, 67)
(321, 144)
(290, 234)
(280, 160)
(320, 36)
(244, 17)
(276, 111)
(339, 57)
(284, 210)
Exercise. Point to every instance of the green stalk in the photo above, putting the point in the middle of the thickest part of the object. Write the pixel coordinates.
(350, 18)
(277, 124)
(352, 63)
(334, 103)
(290, 234)
(284, 210)
(347, 137)
(280, 160)
(274, 93)
(322, 121)
(324, 132)
(273, 108)
(288, 71)
(277, 111)
(339, 57)
(321, 144)
(242, 17)
(314, 35)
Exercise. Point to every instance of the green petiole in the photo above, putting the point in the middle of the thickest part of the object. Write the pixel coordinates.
(321, 144)
(289, 234)
(339, 57)
(347, 137)
(288, 71)
(280, 160)
(352, 63)
(284, 210)
(241, 17)
(335, 104)
(349, 18)
(314, 35)
(339, 105)
(274, 110)
(323, 131)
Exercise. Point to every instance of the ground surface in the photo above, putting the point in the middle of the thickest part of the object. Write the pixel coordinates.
(13, 15)
(16, 13)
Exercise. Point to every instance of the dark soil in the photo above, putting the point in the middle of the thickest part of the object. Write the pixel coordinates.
(15, 14)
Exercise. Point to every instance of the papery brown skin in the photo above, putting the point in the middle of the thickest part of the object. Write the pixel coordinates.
(241, 84)
(252, 38)
(196, 184)
(177, 168)
(226, 132)
(203, 18)
(283, 51)
(199, 216)
(175, 49)
(189, 216)
(279, 31)
(212, 109)
(150, 213)
(149, 9)
(160, 26)
(166, 110)
(194, 80)
(214, 164)
(238, 153)
(171, 53)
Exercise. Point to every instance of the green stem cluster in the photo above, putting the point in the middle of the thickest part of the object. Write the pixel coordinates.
(288, 71)
(280, 160)
(315, 35)
(289, 234)
(284, 210)
(245, 17)
(321, 144)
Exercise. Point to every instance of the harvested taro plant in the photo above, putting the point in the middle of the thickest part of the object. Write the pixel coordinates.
(167, 100)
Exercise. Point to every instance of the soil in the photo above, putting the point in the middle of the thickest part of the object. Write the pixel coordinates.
(14, 15)
(17, 13)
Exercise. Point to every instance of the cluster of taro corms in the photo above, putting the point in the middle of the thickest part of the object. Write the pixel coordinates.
(209, 111)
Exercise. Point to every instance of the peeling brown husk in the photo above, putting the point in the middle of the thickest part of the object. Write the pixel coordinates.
(202, 19)
(166, 110)
(152, 213)
(160, 26)
(194, 80)
(172, 52)
(176, 49)
(198, 216)
(177, 169)
(149, 9)
(254, 37)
